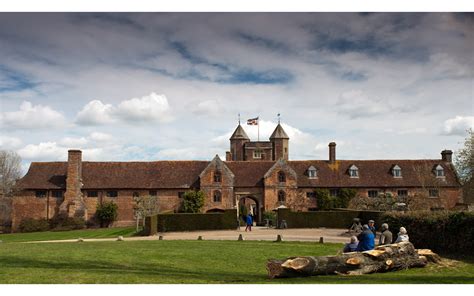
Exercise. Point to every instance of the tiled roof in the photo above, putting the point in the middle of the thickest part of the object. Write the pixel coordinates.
(185, 174)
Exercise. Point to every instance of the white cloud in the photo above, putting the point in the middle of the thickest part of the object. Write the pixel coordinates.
(148, 108)
(32, 117)
(95, 113)
(458, 125)
(101, 137)
(9, 143)
(49, 151)
(73, 142)
(145, 109)
(356, 104)
(208, 108)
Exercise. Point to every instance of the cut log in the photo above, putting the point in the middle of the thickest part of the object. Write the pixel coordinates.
(382, 259)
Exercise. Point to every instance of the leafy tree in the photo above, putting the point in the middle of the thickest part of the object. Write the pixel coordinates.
(193, 201)
(10, 171)
(106, 213)
(464, 163)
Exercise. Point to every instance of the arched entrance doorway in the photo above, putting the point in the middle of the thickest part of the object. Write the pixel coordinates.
(250, 204)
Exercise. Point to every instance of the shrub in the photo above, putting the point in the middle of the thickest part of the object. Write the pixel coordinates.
(442, 231)
(193, 201)
(33, 225)
(63, 222)
(270, 216)
(323, 199)
(106, 213)
(344, 197)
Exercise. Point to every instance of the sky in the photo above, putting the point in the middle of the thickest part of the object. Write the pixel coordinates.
(163, 86)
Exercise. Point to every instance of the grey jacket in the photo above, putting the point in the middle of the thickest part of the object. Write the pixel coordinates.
(386, 238)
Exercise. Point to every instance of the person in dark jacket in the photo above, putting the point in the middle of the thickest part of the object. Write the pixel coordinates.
(249, 221)
(352, 246)
(386, 237)
(366, 239)
(372, 226)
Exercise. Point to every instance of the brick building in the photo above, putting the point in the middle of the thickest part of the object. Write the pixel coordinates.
(259, 172)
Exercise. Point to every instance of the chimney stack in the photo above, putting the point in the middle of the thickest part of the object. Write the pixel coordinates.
(73, 203)
(332, 152)
(447, 155)
(228, 156)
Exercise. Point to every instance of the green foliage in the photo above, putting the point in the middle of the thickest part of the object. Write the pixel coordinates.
(323, 199)
(63, 222)
(443, 232)
(33, 225)
(195, 221)
(193, 201)
(344, 197)
(106, 213)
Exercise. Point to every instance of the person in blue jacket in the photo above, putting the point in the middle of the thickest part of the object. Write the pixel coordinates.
(249, 221)
(366, 239)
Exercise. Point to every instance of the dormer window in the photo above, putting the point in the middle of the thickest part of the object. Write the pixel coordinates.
(439, 171)
(397, 172)
(281, 177)
(354, 171)
(217, 177)
(312, 172)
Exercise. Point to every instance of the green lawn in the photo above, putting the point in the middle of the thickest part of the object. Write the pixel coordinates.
(174, 262)
(73, 234)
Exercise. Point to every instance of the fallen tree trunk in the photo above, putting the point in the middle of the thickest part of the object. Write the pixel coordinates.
(381, 259)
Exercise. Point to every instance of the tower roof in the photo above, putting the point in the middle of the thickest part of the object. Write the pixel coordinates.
(239, 133)
(279, 133)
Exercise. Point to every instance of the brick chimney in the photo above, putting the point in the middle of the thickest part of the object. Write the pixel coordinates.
(447, 155)
(228, 156)
(332, 152)
(73, 204)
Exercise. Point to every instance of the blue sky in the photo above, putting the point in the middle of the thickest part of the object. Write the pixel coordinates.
(150, 86)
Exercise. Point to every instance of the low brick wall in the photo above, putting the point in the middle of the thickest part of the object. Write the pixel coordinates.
(337, 218)
(190, 222)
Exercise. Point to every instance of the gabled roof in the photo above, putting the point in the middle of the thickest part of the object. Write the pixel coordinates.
(239, 133)
(185, 174)
(279, 133)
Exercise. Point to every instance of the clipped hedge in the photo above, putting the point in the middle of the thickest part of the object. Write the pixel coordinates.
(443, 232)
(191, 221)
(338, 218)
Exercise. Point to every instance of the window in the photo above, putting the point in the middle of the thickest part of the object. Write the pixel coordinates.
(57, 193)
(281, 177)
(433, 192)
(373, 193)
(40, 193)
(152, 192)
(217, 196)
(354, 171)
(136, 194)
(312, 172)
(439, 171)
(92, 194)
(112, 193)
(402, 192)
(281, 196)
(217, 177)
(180, 194)
(257, 154)
(334, 192)
(311, 194)
(397, 172)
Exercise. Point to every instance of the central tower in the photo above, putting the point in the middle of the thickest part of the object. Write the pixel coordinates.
(279, 140)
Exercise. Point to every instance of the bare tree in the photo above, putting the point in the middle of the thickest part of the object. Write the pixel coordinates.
(10, 171)
(145, 206)
(464, 162)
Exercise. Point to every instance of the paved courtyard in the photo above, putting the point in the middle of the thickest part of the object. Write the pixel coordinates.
(257, 233)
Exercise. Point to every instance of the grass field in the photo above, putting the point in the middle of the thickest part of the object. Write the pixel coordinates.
(172, 262)
(73, 234)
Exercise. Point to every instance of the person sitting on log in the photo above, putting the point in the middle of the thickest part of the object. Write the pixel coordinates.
(402, 236)
(386, 237)
(352, 246)
(366, 239)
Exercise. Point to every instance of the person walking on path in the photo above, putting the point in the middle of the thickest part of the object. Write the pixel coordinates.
(402, 236)
(386, 237)
(249, 221)
(366, 239)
